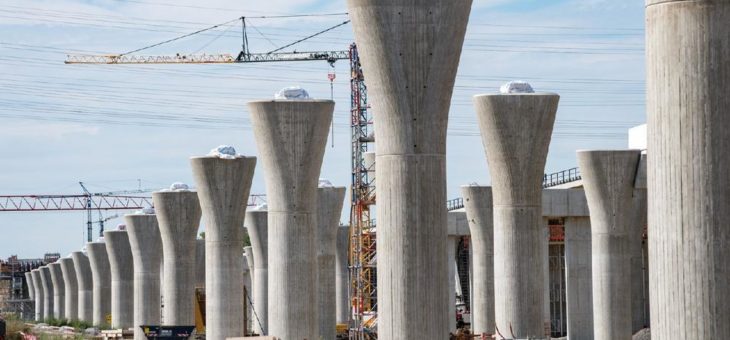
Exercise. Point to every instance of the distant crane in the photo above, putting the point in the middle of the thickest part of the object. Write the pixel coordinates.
(90, 207)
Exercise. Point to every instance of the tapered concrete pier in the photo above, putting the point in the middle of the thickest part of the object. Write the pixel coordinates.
(223, 187)
(329, 209)
(146, 246)
(579, 290)
(479, 212)
(252, 318)
(251, 261)
(122, 273)
(200, 263)
(178, 215)
(71, 292)
(48, 295)
(29, 284)
(291, 136)
(85, 286)
(342, 278)
(38, 294)
(59, 291)
(258, 231)
(102, 283)
(689, 186)
(608, 179)
(410, 53)
(516, 131)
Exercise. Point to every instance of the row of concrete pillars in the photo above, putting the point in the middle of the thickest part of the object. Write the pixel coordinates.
(293, 255)
(410, 51)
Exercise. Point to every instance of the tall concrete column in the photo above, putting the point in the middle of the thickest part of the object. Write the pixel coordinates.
(251, 261)
(48, 295)
(608, 181)
(258, 231)
(516, 131)
(479, 212)
(578, 277)
(410, 52)
(59, 291)
(291, 136)
(253, 318)
(329, 210)
(102, 283)
(71, 293)
(223, 187)
(342, 277)
(146, 246)
(178, 215)
(545, 249)
(453, 242)
(199, 263)
(29, 284)
(639, 317)
(85, 286)
(121, 265)
(689, 186)
(38, 294)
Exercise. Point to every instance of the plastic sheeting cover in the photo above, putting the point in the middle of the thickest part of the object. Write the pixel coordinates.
(517, 86)
(292, 93)
(224, 152)
(325, 183)
(261, 207)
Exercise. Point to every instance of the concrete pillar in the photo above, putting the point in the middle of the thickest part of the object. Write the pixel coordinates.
(223, 187)
(639, 317)
(479, 212)
(29, 284)
(71, 293)
(410, 52)
(689, 186)
(545, 250)
(608, 181)
(38, 294)
(453, 242)
(178, 215)
(342, 275)
(59, 291)
(329, 210)
(121, 266)
(102, 283)
(291, 136)
(251, 261)
(85, 286)
(252, 318)
(578, 277)
(257, 226)
(48, 295)
(199, 263)
(146, 246)
(516, 131)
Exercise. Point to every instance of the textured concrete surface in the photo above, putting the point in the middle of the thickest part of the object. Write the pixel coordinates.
(29, 284)
(639, 312)
(689, 186)
(410, 54)
(291, 137)
(199, 263)
(59, 291)
(48, 296)
(223, 187)
(102, 283)
(564, 202)
(545, 249)
(178, 216)
(342, 275)
(85, 286)
(145, 244)
(329, 210)
(258, 231)
(516, 131)
(250, 259)
(121, 265)
(71, 289)
(578, 277)
(479, 212)
(608, 180)
(38, 294)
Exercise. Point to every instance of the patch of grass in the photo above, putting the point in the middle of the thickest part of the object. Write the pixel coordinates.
(13, 327)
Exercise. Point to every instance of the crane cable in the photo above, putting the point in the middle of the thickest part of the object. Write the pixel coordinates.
(310, 36)
(182, 36)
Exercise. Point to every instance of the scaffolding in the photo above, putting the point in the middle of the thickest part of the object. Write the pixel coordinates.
(14, 295)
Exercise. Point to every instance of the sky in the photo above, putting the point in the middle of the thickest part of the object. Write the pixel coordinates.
(120, 127)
